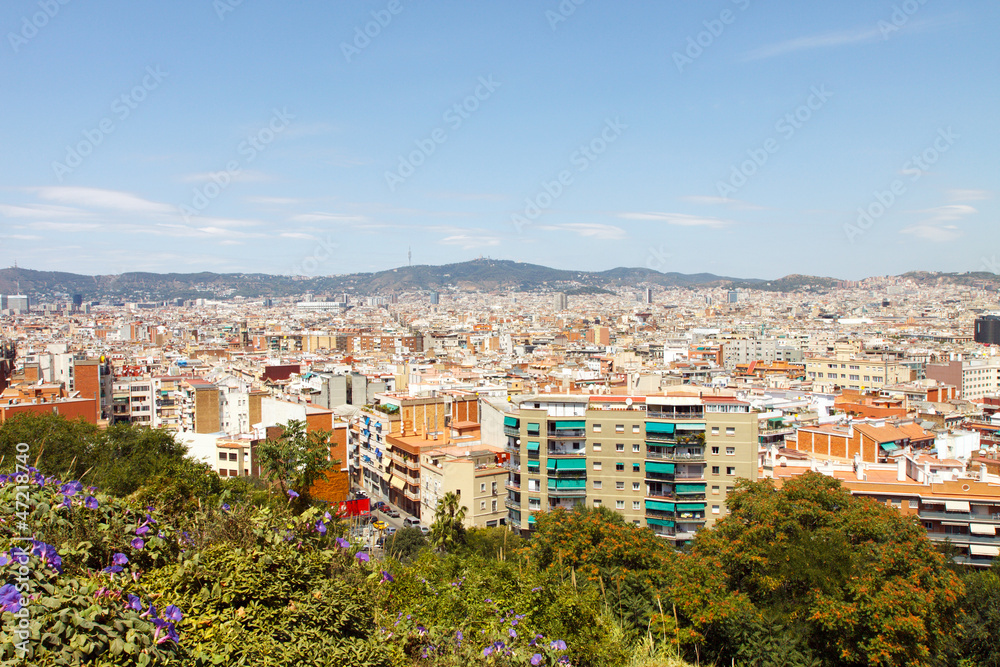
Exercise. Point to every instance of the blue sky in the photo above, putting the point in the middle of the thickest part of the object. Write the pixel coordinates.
(734, 136)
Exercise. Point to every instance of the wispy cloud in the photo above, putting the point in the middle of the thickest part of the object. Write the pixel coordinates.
(938, 226)
(969, 195)
(723, 201)
(298, 235)
(242, 176)
(115, 200)
(861, 35)
(274, 201)
(595, 231)
(41, 211)
(471, 240)
(678, 219)
(327, 217)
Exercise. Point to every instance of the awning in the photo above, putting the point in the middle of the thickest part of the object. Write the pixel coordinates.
(511, 421)
(398, 483)
(563, 484)
(533, 428)
(956, 506)
(661, 468)
(660, 522)
(931, 501)
(531, 519)
(690, 488)
(690, 427)
(659, 506)
(660, 444)
(690, 507)
(386, 476)
(533, 465)
(982, 529)
(571, 424)
(979, 550)
(532, 446)
(657, 427)
(567, 464)
(889, 446)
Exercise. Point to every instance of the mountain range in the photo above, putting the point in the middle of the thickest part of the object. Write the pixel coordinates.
(490, 275)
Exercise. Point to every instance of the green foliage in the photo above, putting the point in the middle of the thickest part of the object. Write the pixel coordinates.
(981, 618)
(448, 529)
(296, 460)
(497, 543)
(405, 543)
(857, 581)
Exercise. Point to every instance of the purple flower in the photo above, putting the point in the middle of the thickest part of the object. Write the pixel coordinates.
(113, 569)
(362, 556)
(487, 651)
(292, 494)
(225, 507)
(134, 603)
(321, 528)
(48, 554)
(536, 659)
(142, 530)
(10, 598)
(459, 636)
(173, 614)
(558, 645)
(91, 502)
(342, 543)
(387, 577)
(119, 559)
(536, 589)
(512, 632)
(65, 502)
(326, 516)
(4, 560)
(421, 630)
(71, 488)
(138, 544)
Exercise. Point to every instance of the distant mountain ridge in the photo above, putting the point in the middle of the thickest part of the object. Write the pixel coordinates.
(479, 274)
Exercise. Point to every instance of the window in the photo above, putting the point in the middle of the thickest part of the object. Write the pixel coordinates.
(715, 490)
(715, 451)
(494, 506)
(730, 451)
(619, 428)
(731, 471)
(635, 467)
(854, 377)
(482, 488)
(534, 503)
(715, 509)
(715, 470)
(636, 505)
(597, 428)
(619, 504)
(597, 502)
(232, 456)
(620, 486)
(482, 505)
(715, 430)
(635, 486)
(635, 428)
(234, 473)
(730, 430)
(597, 446)
(635, 449)
(620, 447)
(597, 465)
(620, 467)
(534, 485)
(222, 456)
(597, 484)
(494, 488)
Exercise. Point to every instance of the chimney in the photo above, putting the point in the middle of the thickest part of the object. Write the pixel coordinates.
(901, 469)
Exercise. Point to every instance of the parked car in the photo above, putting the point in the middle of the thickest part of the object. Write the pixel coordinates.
(380, 506)
(411, 522)
(425, 530)
(394, 513)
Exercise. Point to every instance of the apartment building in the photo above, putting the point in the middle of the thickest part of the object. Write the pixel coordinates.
(666, 462)
(475, 473)
(739, 351)
(133, 402)
(975, 378)
(849, 368)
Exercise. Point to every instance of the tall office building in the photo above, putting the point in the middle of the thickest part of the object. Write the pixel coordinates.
(649, 295)
(18, 303)
(734, 296)
(987, 330)
(435, 298)
(666, 462)
(560, 302)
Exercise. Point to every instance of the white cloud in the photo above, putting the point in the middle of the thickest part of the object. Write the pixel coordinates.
(824, 40)
(41, 211)
(723, 201)
(106, 199)
(276, 201)
(969, 195)
(242, 176)
(596, 231)
(937, 227)
(471, 241)
(298, 235)
(327, 217)
(678, 219)
(935, 233)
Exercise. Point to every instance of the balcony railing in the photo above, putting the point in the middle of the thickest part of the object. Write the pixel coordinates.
(412, 495)
(670, 454)
(512, 486)
(567, 434)
(512, 431)
(512, 505)
(556, 451)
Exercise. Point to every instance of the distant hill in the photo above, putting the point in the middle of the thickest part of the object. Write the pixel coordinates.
(489, 275)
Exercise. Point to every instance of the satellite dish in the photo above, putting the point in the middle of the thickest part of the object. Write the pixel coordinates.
(628, 401)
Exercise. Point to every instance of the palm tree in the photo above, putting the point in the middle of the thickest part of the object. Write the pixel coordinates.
(448, 529)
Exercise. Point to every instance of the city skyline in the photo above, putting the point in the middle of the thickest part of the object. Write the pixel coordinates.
(576, 135)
